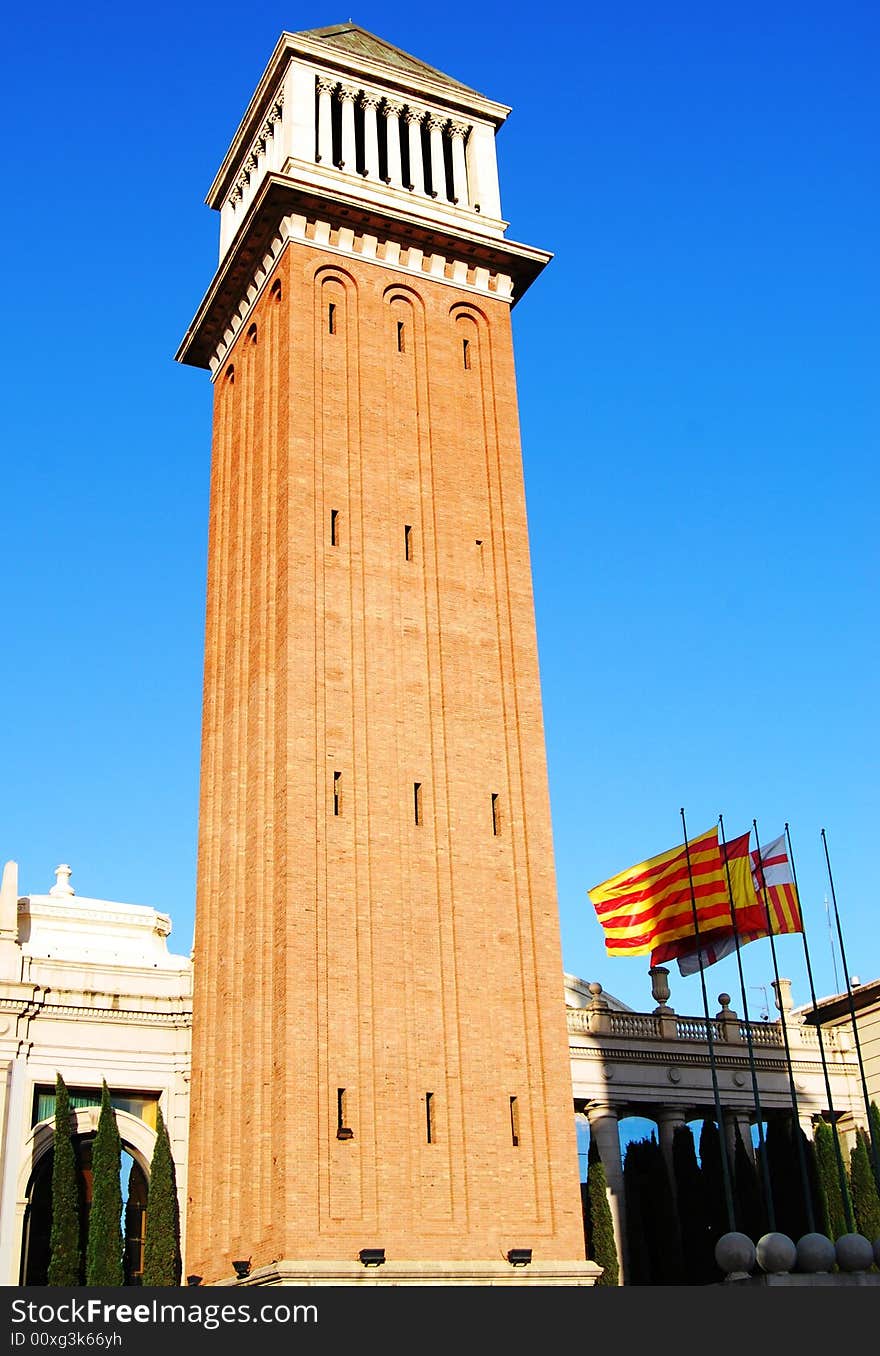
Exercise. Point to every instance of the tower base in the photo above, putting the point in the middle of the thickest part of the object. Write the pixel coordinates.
(420, 1273)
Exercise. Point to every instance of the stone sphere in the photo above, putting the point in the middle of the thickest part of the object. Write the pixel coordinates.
(776, 1252)
(735, 1252)
(815, 1252)
(854, 1253)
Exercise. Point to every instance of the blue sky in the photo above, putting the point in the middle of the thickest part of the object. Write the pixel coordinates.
(697, 378)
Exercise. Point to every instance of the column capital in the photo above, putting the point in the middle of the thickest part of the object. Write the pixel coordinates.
(414, 114)
(392, 108)
(369, 100)
(348, 92)
(435, 122)
(326, 85)
(459, 129)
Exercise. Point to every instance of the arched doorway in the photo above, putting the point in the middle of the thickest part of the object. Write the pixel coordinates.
(35, 1252)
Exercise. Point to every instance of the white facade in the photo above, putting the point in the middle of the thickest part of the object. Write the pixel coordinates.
(88, 989)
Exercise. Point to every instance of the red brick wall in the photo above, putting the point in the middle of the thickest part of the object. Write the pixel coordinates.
(363, 951)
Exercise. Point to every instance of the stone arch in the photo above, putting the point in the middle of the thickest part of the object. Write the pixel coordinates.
(138, 1141)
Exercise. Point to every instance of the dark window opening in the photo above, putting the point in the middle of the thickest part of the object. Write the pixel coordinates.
(336, 128)
(429, 1117)
(496, 815)
(447, 166)
(276, 290)
(337, 793)
(417, 802)
(331, 318)
(382, 138)
(403, 135)
(514, 1122)
(401, 337)
(407, 542)
(427, 168)
(466, 353)
(343, 1130)
(334, 527)
(230, 375)
(252, 334)
(360, 140)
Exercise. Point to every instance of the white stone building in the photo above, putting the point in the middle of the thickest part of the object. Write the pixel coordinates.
(88, 988)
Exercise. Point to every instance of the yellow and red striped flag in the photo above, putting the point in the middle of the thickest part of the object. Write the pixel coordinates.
(650, 903)
(748, 897)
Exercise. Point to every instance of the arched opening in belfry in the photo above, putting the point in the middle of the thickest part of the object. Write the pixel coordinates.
(36, 1233)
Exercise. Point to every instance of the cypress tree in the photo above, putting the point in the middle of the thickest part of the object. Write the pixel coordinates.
(751, 1215)
(105, 1244)
(699, 1262)
(599, 1226)
(634, 1182)
(713, 1180)
(64, 1264)
(162, 1238)
(866, 1203)
(652, 1223)
(827, 1164)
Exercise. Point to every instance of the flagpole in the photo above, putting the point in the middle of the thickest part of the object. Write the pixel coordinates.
(722, 1138)
(762, 1148)
(796, 1128)
(841, 1171)
(852, 1013)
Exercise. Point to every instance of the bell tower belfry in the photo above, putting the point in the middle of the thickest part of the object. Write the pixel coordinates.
(380, 1053)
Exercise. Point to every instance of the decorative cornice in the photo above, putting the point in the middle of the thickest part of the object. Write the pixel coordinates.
(489, 267)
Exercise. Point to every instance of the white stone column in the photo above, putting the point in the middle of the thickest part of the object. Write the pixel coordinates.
(325, 123)
(458, 132)
(392, 141)
(603, 1120)
(438, 165)
(416, 172)
(371, 137)
(11, 1209)
(348, 159)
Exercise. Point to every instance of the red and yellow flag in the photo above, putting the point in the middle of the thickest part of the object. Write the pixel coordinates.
(767, 868)
(650, 903)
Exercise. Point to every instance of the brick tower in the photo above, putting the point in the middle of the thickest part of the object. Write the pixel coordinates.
(380, 1054)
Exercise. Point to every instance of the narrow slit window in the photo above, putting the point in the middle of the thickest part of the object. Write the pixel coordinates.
(514, 1122)
(479, 546)
(401, 337)
(343, 1129)
(334, 527)
(337, 793)
(466, 353)
(429, 1117)
(496, 814)
(331, 318)
(417, 802)
(407, 542)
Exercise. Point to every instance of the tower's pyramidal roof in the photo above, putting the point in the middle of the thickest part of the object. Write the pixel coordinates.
(356, 41)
